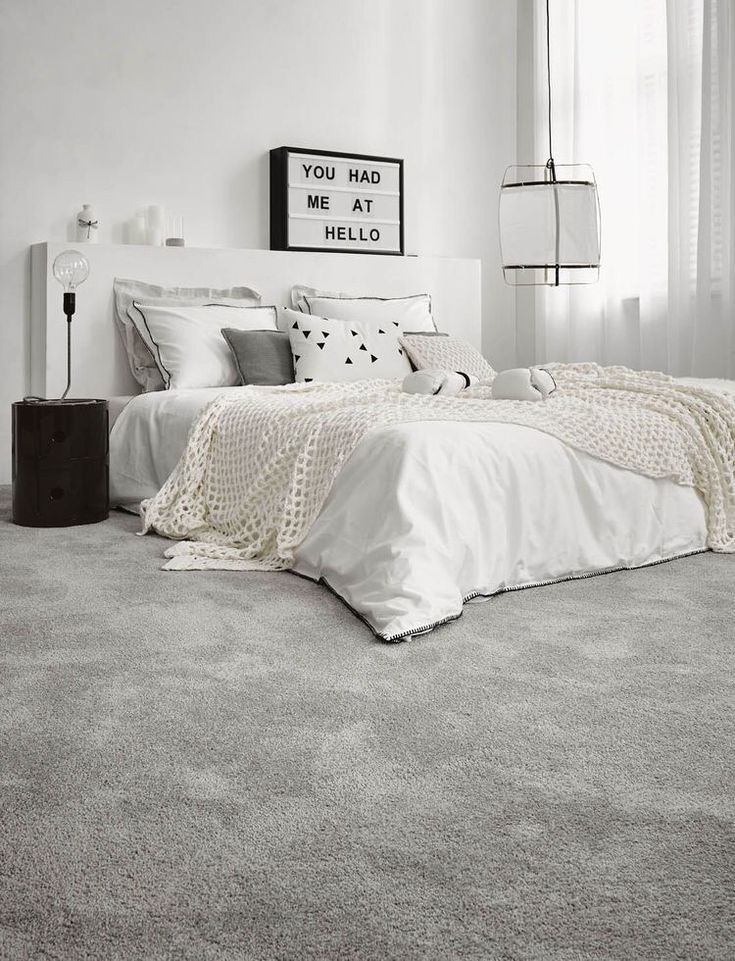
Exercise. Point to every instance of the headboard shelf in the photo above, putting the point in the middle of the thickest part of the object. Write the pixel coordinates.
(99, 364)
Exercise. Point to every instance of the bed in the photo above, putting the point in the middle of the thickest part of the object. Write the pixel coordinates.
(421, 517)
(425, 517)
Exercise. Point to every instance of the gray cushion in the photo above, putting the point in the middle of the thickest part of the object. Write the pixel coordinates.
(263, 357)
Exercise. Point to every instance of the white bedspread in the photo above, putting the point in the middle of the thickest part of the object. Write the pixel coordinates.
(423, 516)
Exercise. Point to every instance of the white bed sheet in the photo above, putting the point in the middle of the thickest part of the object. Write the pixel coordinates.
(116, 405)
(425, 516)
(149, 437)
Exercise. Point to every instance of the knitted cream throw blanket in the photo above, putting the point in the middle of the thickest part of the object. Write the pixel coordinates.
(260, 461)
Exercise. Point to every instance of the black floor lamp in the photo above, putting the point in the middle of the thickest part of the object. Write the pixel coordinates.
(60, 445)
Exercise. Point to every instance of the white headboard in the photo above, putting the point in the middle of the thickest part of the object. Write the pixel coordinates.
(99, 365)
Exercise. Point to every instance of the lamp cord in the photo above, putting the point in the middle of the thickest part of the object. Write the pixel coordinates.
(550, 162)
(550, 165)
(68, 358)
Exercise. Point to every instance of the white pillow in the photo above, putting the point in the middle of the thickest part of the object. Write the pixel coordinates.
(299, 291)
(411, 313)
(189, 347)
(446, 353)
(139, 350)
(325, 349)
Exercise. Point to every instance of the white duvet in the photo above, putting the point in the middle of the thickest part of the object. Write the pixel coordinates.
(444, 512)
(425, 516)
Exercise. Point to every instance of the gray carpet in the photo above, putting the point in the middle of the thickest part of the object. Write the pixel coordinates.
(229, 766)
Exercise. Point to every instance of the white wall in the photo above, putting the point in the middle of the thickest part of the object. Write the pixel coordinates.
(177, 102)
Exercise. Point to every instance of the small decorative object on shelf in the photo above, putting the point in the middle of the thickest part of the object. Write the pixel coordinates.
(137, 228)
(339, 202)
(60, 462)
(175, 231)
(87, 225)
(154, 225)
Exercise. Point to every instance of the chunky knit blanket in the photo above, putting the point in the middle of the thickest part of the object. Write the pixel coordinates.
(260, 461)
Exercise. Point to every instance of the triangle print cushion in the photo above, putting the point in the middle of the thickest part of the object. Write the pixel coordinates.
(335, 350)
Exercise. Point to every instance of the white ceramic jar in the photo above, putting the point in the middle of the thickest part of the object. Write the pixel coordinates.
(87, 225)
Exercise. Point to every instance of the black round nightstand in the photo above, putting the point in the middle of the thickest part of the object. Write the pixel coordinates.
(60, 462)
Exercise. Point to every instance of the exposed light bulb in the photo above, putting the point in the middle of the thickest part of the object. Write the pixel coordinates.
(71, 269)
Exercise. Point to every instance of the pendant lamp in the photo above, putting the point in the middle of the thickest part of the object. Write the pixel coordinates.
(549, 218)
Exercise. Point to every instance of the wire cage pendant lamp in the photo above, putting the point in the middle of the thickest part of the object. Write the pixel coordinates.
(549, 217)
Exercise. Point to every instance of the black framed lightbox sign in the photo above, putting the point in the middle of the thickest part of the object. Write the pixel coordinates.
(338, 202)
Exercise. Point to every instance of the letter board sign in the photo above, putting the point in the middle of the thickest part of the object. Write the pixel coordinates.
(345, 203)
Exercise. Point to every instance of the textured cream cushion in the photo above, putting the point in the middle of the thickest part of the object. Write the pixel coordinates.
(136, 341)
(189, 347)
(411, 313)
(447, 353)
(325, 349)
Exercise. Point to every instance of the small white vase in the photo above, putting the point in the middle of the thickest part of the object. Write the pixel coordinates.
(87, 225)
(136, 228)
(154, 225)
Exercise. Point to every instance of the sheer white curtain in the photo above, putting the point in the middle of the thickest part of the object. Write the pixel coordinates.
(644, 90)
